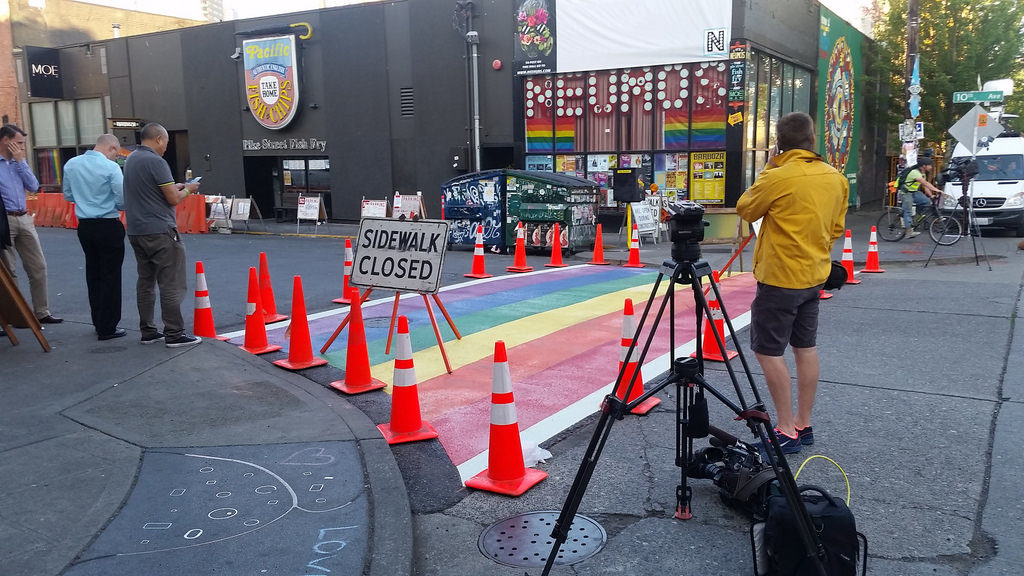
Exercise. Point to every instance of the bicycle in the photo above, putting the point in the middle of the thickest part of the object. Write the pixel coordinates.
(944, 230)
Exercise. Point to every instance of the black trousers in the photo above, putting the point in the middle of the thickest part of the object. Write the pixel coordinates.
(102, 241)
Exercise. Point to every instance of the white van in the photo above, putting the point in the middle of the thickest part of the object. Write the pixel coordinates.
(997, 192)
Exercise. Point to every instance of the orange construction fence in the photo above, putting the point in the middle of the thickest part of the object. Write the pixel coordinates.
(51, 210)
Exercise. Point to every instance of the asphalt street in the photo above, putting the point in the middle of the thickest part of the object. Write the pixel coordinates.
(920, 402)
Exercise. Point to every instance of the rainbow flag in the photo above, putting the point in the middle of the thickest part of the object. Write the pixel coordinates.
(565, 134)
(539, 135)
(676, 130)
(708, 127)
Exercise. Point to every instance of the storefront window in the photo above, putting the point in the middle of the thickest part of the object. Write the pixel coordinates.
(787, 88)
(802, 90)
(570, 102)
(707, 121)
(66, 122)
(673, 105)
(636, 108)
(90, 120)
(602, 98)
(751, 92)
(539, 102)
(761, 112)
(44, 124)
(775, 105)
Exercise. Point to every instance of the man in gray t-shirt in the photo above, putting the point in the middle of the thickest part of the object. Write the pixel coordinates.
(150, 195)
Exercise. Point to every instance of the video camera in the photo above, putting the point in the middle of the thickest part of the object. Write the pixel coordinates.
(686, 230)
(959, 170)
(742, 476)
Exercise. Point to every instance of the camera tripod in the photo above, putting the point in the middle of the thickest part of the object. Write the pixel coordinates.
(691, 409)
(969, 224)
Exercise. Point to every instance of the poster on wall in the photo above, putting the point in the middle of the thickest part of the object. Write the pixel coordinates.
(271, 79)
(838, 98)
(535, 37)
(707, 177)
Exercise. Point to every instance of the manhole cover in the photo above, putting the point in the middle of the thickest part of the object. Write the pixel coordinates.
(525, 540)
(377, 322)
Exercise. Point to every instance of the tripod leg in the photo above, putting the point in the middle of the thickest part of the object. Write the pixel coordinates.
(612, 406)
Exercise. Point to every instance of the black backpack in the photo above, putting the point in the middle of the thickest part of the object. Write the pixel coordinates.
(779, 550)
(901, 180)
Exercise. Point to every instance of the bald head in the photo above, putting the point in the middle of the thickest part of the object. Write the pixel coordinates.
(155, 136)
(108, 145)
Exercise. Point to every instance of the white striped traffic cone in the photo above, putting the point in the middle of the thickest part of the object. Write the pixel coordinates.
(872, 262)
(202, 318)
(406, 424)
(506, 471)
(709, 345)
(478, 270)
(628, 331)
(348, 272)
(634, 250)
(848, 259)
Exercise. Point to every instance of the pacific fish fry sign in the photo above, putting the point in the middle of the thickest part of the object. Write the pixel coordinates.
(271, 80)
(400, 255)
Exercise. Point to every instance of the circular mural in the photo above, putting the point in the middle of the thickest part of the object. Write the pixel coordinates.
(839, 106)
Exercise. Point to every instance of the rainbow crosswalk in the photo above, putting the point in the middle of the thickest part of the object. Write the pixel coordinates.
(561, 327)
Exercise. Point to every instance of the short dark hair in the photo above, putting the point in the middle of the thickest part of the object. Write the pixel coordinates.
(9, 130)
(151, 131)
(795, 130)
(924, 161)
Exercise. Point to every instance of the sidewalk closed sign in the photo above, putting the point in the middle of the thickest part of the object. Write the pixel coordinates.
(400, 255)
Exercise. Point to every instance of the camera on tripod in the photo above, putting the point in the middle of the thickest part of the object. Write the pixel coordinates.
(959, 170)
(686, 230)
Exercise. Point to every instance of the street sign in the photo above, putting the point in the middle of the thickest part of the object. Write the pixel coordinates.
(977, 96)
(919, 130)
(400, 255)
(975, 129)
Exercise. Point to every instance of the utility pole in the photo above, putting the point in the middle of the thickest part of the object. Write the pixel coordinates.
(913, 87)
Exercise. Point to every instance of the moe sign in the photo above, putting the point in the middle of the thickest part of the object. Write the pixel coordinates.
(400, 255)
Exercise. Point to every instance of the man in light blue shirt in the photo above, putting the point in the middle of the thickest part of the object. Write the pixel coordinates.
(93, 181)
(16, 179)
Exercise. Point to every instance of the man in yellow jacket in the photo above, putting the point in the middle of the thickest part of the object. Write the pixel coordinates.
(801, 202)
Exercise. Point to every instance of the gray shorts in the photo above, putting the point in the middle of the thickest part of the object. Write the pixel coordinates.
(781, 316)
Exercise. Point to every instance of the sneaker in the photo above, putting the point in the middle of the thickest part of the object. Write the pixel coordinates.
(158, 337)
(806, 436)
(183, 340)
(911, 233)
(789, 445)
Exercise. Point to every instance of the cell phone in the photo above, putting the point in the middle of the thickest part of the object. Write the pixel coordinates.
(195, 180)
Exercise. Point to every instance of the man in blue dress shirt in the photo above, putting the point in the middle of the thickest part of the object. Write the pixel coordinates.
(16, 179)
(93, 181)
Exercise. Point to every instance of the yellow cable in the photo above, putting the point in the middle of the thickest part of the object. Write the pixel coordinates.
(845, 477)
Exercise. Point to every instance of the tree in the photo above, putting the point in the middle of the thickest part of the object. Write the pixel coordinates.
(959, 41)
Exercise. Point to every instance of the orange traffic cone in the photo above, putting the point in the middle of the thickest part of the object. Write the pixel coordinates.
(848, 259)
(478, 256)
(628, 330)
(357, 361)
(519, 262)
(300, 348)
(348, 272)
(506, 471)
(822, 295)
(556, 249)
(255, 331)
(202, 318)
(634, 250)
(709, 346)
(267, 293)
(405, 425)
(598, 258)
(872, 262)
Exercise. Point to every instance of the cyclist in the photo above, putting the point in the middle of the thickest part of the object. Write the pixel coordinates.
(917, 190)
